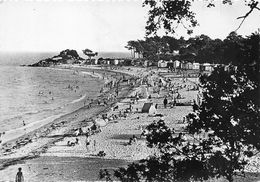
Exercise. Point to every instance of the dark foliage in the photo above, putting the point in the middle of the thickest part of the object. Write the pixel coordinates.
(63, 57)
(89, 53)
(69, 53)
(201, 49)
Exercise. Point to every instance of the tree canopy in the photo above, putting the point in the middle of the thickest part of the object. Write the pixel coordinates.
(199, 49)
(89, 53)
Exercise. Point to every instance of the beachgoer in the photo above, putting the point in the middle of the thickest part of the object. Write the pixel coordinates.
(87, 142)
(77, 132)
(165, 102)
(19, 176)
(24, 123)
(80, 131)
(95, 145)
(94, 127)
(134, 139)
(130, 141)
(130, 107)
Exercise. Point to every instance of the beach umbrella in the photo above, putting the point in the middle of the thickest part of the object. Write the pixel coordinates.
(100, 122)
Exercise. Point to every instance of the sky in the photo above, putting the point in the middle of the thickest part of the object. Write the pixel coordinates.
(98, 25)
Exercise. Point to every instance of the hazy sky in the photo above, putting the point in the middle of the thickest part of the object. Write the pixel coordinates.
(101, 25)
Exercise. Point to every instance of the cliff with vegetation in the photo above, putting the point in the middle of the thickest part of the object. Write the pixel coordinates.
(65, 57)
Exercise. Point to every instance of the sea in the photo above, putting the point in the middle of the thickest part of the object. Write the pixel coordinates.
(32, 94)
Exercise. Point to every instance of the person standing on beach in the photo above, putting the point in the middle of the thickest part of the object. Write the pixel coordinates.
(24, 125)
(87, 142)
(165, 102)
(19, 176)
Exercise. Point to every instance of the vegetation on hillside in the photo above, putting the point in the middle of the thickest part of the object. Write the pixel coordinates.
(64, 57)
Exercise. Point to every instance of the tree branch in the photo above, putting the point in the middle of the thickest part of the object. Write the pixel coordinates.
(252, 7)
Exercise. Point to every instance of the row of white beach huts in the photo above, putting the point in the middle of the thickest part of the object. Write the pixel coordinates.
(185, 65)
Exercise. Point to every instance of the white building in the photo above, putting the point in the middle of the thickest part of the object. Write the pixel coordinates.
(162, 64)
(207, 67)
(176, 64)
(196, 66)
(189, 66)
(116, 61)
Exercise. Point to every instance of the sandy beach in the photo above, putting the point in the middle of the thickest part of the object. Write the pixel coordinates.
(48, 157)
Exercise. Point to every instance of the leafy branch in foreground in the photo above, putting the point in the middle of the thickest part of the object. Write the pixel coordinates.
(169, 14)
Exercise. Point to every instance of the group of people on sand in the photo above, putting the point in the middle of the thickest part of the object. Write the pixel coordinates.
(73, 88)
(132, 140)
(94, 128)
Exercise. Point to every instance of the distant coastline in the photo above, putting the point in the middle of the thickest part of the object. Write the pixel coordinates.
(26, 58)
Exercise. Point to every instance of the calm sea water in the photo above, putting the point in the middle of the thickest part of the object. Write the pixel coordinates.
(32, 94)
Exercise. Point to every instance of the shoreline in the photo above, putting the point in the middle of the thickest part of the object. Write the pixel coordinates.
(48, 127)
(65, 109)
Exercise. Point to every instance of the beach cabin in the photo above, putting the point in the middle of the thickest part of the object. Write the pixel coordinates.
(93, 61)
(107, 61)
(176, 64)
(112, 61)
(229, 68)
(116, 62)
(207, 67)
(159, 63)
(121, 62)
(147, 63)
(170, 64)
(183, 65)
(189, 66)
(196, 66)
(162, 64)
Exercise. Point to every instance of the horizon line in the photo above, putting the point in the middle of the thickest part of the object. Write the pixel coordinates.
(51, 51)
